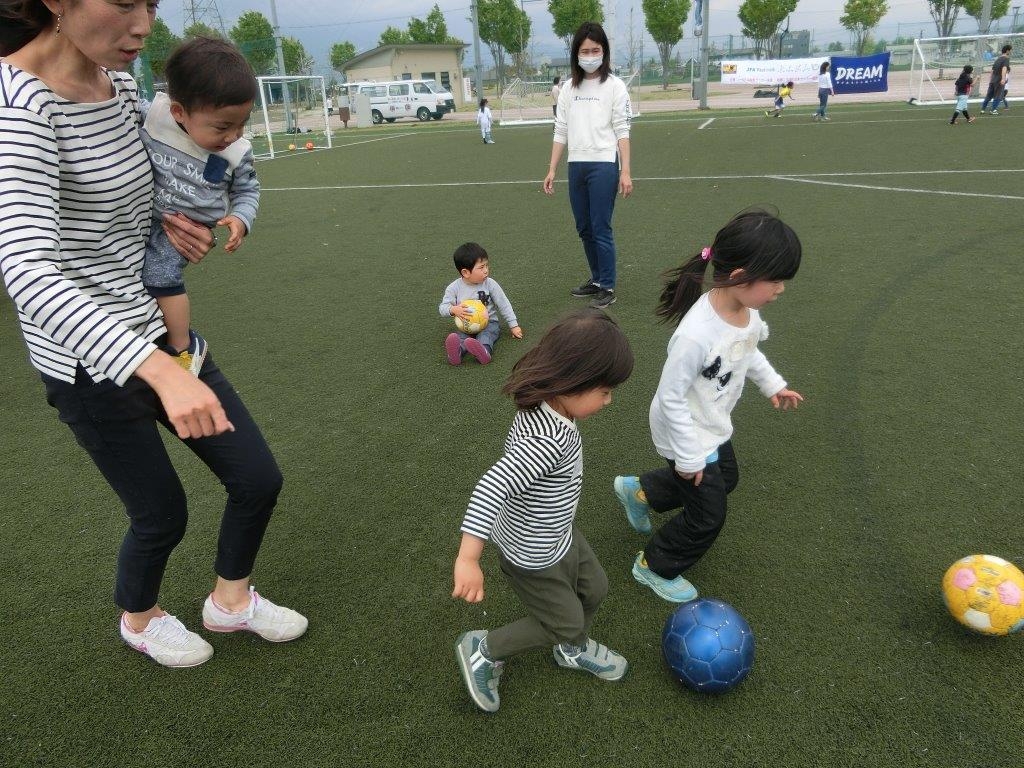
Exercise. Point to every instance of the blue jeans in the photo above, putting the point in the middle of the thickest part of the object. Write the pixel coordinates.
(993, 94)
(823, 94)
(117, 426)
(592, 190)
(488, 336)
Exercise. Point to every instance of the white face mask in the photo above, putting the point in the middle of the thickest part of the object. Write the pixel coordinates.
(590, 66)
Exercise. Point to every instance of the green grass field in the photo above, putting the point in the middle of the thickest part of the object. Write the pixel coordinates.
(899, 332)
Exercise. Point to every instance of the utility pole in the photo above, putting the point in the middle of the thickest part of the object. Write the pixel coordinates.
(289, 123)
(986, 17)
(704, 52)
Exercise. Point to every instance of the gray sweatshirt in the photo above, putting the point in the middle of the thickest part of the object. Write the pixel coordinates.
(489, 292)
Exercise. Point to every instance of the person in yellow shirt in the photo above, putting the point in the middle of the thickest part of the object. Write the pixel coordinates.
(780, 100)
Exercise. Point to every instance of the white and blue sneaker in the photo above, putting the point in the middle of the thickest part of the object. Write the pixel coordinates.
(480, 674)
(631, 497)
(599, 660)
(677, 590)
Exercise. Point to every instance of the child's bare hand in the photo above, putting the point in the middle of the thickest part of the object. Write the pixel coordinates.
(237, 229)
(460, 312)
(517, 332)
(469, 581)
(786, 399)
(696, 477)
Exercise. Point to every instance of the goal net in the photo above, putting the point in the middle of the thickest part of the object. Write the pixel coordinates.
(529, 102)
(295, 114)
(937, 61)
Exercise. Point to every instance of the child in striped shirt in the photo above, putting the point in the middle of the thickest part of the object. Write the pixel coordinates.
(526, 504)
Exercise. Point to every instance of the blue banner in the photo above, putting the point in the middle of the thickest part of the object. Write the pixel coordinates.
(860, 74)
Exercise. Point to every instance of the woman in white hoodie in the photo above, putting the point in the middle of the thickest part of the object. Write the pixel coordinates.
(592, 118)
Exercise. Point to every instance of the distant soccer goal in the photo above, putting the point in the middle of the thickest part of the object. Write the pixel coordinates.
(529, 102)
(937, 61)
(295, 115)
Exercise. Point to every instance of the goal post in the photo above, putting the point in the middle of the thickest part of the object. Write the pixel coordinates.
(295, 112)
(937, 61)
(529, 102)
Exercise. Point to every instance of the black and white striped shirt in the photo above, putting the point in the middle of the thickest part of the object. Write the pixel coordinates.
(76, 194)
(526, 502)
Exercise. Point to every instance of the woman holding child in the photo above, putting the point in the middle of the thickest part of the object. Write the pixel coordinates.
(592, 119)
(78, 191)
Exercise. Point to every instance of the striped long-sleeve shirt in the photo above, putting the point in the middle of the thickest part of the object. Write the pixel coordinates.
(76, 193)
(526, 502)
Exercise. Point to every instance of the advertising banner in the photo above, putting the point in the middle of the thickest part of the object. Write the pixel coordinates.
(772, 71)
(861, 74)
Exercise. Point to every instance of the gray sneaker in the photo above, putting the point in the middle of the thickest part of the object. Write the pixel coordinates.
(599, 660)
(480, 675)
(605, 298)
(585, 290)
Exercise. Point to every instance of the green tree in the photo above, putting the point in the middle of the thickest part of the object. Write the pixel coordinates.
(340, 54)
(665, 19)
(861, 16)
(505, 28)
(158, 47)
(296, 60)
(834, 47)
(394, 36)
(433, 30)
(199, 29)
(567, 15)
(761, 20)
(944, 13)
(254, 37)
(973, 8)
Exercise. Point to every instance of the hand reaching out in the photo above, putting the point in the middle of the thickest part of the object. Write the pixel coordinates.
(785, 399)
(237, 229)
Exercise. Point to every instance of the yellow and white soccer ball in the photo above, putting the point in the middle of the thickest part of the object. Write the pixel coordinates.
(986, 594)
(473, 325)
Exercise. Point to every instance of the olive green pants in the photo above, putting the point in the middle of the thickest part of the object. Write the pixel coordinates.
(560, 601)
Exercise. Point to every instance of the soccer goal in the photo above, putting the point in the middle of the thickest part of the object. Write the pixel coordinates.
(937, 61)
(529, 102)
(295, 115)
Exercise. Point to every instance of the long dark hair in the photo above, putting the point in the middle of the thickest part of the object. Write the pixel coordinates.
(755, 241)
(824, 67)
(593, 31)
(584, 350)
(20, 22)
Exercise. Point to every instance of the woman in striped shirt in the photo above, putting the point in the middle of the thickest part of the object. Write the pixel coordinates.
(526, 504)
(76, 191)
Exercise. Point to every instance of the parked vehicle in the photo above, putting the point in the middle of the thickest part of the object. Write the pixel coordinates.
(393, 99)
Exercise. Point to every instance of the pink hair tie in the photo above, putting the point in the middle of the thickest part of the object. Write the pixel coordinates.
(705, 254)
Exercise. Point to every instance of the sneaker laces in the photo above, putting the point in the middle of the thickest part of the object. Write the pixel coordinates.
(267, 609)
(167, 630)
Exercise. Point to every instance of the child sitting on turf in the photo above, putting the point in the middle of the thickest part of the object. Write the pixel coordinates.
(203, 168)
(526, 503)
(471, 262)
(712, 352)
(780, 100)
(962, 88)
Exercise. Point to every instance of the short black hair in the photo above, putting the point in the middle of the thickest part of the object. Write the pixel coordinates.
(468, 255)
(209, 72)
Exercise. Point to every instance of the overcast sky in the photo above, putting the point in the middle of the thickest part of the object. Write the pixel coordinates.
(320, 23)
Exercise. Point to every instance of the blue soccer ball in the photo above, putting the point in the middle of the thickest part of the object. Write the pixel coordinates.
(708, 645)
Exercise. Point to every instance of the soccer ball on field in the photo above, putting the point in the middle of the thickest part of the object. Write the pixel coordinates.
(309, 145)
(473, 325)
(291, 146)
(708, 645)
(986, 594)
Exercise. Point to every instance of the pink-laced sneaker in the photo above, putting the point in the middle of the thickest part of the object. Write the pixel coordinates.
(271, 622)
(453, 348)
(167, 642)
(478, 350)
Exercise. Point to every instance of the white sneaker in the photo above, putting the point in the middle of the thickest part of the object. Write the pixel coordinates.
(271, 622)
(167, 642)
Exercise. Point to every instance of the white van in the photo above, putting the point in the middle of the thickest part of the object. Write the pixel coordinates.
(390, 100)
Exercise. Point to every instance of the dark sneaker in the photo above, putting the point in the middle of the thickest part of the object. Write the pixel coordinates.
(479, 674)
(585, 290)
(605, 298)
(453, 348)
(599, 660)
(478, 350)
(192, 358)
(631, 497)
(677, 590)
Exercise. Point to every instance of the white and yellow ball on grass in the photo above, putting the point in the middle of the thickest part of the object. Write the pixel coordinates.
(477, 322)
(986, 594)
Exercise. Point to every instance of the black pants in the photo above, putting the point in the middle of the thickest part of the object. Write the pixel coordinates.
(118, 428)
(684, 539)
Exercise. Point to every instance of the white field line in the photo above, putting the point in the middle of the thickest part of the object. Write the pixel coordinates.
(705, 124)
(895, 189)
(806, 177)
